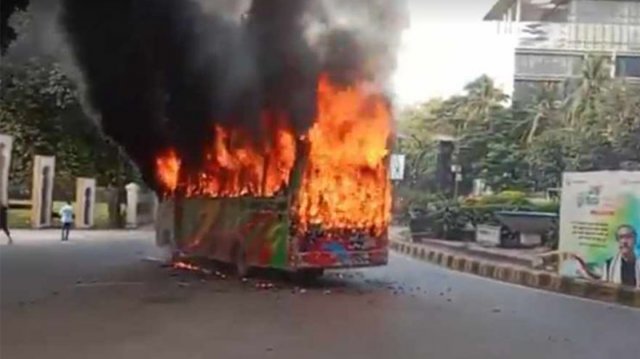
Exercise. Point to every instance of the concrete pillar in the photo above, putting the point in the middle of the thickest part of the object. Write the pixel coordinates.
(154, 206)
(133, 192)
(44, 169)
(85, 202)
(6, 144)
(165, 225)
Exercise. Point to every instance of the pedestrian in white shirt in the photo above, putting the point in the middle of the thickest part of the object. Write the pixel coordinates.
(66, 217)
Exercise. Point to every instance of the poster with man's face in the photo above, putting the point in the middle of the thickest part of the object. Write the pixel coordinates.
(599, 224)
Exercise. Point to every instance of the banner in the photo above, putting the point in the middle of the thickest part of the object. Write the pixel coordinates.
(599, 224)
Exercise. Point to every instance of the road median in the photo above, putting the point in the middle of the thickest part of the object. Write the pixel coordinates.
(520, 275)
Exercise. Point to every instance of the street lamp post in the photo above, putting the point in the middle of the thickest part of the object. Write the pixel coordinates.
(457, 173)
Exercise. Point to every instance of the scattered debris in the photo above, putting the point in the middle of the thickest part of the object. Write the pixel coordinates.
(191, 267)
(263, 285)
(155, 260)
(496, 310)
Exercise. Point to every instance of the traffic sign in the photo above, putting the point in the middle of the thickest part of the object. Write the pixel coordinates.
(397, 167)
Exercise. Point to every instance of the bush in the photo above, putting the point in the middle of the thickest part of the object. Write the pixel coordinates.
(512, 198)
(546, 207)
(452, 219)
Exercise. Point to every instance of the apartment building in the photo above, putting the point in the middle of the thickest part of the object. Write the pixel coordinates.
(554, 37)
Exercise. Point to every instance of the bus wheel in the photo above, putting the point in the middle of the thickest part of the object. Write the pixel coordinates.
(239, 258)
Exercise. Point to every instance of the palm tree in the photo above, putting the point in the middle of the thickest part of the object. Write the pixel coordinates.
(584, 101)
(541, 110)
(482, 98)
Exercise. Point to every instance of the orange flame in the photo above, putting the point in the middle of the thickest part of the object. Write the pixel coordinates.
(236, 164)
(168, 167)
(345, 182)
(190, 267)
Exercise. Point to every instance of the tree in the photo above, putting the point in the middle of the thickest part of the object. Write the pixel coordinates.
(39, 106)
(34, 96)
(543, 112)
(8, 33)
(596, 126)
(547, 157)
(621, 113)
(421, 125)
(583, 103)
(483, 97)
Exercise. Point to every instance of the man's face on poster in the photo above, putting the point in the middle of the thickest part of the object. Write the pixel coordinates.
(626, 237)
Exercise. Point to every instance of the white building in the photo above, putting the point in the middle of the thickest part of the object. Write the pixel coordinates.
(555, 35)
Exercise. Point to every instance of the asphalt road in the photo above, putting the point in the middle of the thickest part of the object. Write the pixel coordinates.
(101, 296)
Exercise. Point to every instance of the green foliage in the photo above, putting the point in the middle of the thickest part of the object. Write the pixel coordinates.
(455, 220)
(592, 123)
(40, 107)
(509, 198)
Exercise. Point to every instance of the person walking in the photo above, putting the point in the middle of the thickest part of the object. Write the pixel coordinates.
(66, 217)
(4, 222)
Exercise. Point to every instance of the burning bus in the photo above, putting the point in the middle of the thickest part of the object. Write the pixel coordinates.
(264, 126)
(297, 203)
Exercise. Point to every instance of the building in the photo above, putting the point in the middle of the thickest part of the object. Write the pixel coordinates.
(554, 36)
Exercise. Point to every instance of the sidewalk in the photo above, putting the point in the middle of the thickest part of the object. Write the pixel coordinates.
(511, 266)
(52, 235)
(523, 257)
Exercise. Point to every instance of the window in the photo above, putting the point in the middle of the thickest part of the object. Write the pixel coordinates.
(603, 12)
(628, 66)
(548, 64)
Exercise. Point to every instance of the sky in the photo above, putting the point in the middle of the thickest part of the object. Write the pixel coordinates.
(448, 45)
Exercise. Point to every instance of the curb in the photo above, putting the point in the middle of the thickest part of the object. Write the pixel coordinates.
(552, 282)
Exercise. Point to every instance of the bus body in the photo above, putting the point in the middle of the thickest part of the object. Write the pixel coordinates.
(259, 231)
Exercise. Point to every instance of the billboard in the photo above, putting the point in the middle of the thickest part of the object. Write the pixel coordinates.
(599, 224)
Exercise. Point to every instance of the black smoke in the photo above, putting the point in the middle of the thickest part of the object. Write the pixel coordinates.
(161, 73)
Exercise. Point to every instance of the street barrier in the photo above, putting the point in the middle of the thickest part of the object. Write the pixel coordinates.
(532, 278)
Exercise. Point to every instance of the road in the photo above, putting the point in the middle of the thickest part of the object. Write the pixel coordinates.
(101, 296)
